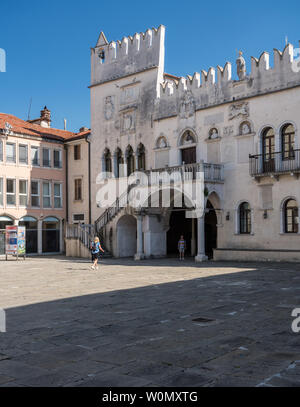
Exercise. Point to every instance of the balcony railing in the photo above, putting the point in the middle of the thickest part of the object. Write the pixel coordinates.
(274, 163)
(212, 172)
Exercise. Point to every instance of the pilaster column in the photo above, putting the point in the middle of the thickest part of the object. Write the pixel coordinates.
(39, 237)
(201, 240)
(115, 169)
(139, 241)
(193, 240)
(61, 236)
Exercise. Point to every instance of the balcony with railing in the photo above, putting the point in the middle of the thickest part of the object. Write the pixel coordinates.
(275, 164)
(212, 172)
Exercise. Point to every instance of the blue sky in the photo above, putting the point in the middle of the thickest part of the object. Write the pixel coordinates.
(48, 44)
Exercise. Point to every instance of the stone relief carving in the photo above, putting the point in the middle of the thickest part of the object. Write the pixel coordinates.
(228, 130)
(187, 138)
(161, 142)
(187, 105)
(213, 134)
(239, 109)
(128, 121)
(109, 107)
(245, 128)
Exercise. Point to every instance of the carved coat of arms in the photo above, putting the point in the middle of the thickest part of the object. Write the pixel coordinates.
(238, 109)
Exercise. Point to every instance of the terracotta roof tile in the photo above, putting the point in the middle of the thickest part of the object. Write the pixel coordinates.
(22, 127)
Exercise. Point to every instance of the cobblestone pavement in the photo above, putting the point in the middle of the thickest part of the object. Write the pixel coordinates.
(149, 323)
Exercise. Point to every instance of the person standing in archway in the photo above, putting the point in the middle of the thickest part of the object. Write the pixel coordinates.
(181, 247)
(95, 249)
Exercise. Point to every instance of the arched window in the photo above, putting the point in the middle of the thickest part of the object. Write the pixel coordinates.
(245, 218)
(119, 161)
(288, 142)
(107, 160)
(141, 157)
(129, 160)
(268, 149)
(290, 216)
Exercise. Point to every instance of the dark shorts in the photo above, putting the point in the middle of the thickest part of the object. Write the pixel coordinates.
(95, 256)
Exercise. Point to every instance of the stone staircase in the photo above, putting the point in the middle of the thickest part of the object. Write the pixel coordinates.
(79, 238)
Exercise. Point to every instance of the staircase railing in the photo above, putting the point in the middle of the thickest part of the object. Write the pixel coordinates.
(111, 212)
(85, 233)
(212, 173)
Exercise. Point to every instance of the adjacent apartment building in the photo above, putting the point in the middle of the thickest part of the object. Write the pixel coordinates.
(34, 179)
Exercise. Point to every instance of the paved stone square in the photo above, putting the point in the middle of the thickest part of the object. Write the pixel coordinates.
(148, 323)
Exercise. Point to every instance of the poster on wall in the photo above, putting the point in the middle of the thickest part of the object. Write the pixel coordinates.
(15, 241)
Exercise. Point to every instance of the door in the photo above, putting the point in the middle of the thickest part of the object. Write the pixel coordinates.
(188, 155)
(269, 150)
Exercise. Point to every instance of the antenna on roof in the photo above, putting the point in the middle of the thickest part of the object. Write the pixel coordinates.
(65, 124)
(29, 109)
(286, 40)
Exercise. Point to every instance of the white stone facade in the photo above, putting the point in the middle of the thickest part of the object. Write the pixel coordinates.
(156, 120)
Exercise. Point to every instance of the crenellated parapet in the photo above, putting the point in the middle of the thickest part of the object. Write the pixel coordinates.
(217, 86)
(133, 54)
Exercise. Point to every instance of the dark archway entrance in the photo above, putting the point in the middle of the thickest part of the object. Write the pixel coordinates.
(30, 224)
(51, 235)
(126, 236)
(179, 225)
(210, 230)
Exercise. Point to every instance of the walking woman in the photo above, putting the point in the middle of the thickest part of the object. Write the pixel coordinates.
(95, 248)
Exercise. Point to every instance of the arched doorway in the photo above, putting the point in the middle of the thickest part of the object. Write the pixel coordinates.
(210, 230)
(126, 236)
(180, 225)
(188, 148)
(4, 221)
(30, 224)
(50, 235)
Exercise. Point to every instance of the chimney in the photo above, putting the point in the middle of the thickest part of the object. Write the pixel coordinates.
(45, 117)
(83, 129)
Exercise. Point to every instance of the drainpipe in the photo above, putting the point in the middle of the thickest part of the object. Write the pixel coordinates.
(67, 185)
(89, 169)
